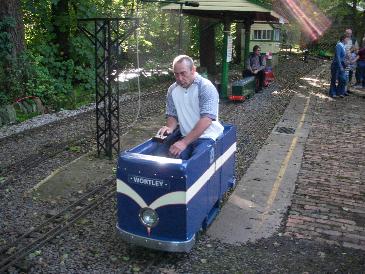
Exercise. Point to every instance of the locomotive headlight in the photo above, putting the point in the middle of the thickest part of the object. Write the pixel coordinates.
(148, 217)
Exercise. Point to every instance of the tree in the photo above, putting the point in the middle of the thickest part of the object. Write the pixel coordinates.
(11, 48)
(61, 26)
(12, 23)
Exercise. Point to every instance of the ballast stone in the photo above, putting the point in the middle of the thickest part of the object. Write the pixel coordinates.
(7, 114)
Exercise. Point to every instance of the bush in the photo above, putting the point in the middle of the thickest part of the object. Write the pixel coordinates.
(49, 79)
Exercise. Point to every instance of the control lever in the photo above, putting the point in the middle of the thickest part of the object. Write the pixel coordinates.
(160, 138)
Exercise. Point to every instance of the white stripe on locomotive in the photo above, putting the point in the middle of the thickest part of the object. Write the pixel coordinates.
(178, 197)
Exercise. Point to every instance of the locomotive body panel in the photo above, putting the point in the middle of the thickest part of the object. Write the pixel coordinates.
(163, 202)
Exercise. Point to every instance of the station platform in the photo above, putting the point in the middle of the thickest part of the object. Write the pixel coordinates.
(307, 181)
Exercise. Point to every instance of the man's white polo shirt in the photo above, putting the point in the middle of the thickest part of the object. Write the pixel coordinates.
(188, 105)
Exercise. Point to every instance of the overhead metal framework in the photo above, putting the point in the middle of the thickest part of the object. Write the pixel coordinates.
(104, 34)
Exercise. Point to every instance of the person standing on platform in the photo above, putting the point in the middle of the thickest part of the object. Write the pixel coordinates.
(338, 69)
(350, 45)
(361, 65)
(351, 42)
(350, 62)
(255, 66)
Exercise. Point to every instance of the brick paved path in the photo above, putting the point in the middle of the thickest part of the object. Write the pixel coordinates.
(329, 201)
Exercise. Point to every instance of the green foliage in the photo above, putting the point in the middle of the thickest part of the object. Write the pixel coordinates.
(75, 149)
(68, 81)
(193, 50)
(219, 34)
(4, 99)
(158, 36)
(57, 81)
(263, 3)
(21, 116)
(49, 79)
(6, 45)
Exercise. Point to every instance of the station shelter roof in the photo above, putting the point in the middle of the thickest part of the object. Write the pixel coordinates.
(235, 10)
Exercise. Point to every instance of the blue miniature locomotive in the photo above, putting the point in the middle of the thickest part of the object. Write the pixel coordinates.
(163, 202)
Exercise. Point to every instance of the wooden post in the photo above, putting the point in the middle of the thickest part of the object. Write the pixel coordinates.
(248, 24)
(224, 80)
(207, 45)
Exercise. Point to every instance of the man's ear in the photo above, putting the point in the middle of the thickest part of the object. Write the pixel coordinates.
(193, 69)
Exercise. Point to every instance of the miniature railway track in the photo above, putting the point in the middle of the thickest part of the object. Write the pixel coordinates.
(160, 88)
(38, 236)
(15, 170)
(43, 233)
(230, 110)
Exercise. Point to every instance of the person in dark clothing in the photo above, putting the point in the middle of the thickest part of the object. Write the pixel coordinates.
(361, 65)
(338, 70)
(255, 66)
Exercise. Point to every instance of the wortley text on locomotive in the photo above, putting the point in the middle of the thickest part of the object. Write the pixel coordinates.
(134, 179)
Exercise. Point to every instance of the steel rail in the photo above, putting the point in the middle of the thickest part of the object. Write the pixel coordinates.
(13, 171)
(52, 232)
(18, 168)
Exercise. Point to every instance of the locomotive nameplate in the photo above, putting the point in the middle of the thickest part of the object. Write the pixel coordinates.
(151, 182)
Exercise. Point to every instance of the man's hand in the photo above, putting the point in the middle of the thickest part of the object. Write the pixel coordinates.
(164, 131)
(177, 148)
(255, 71)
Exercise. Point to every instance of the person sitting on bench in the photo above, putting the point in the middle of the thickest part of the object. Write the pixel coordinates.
(255, 66)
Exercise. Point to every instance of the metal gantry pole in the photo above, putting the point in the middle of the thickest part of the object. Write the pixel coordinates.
(110, 94)
(98, 148)
(106, 40)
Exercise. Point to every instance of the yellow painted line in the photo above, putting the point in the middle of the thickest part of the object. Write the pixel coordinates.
(283, 167)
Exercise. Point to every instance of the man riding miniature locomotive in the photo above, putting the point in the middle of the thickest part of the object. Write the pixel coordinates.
(192, 103)
(255, 66)
(164, 202)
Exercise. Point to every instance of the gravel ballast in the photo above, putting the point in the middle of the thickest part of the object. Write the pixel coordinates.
(93, 246)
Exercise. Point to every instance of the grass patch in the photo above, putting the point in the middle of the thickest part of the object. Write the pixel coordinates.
(21, 116)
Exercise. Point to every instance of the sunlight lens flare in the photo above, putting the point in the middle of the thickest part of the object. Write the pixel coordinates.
(312, 21)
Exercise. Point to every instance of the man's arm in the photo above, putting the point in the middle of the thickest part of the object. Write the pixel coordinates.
(171, 124)
(263, 66)
(248, 64)
(337, 54)
(196, 132)
(171, 114)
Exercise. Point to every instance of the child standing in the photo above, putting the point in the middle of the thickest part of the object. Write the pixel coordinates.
(350, 61)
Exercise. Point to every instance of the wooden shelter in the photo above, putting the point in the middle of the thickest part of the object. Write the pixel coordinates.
(226, 12)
